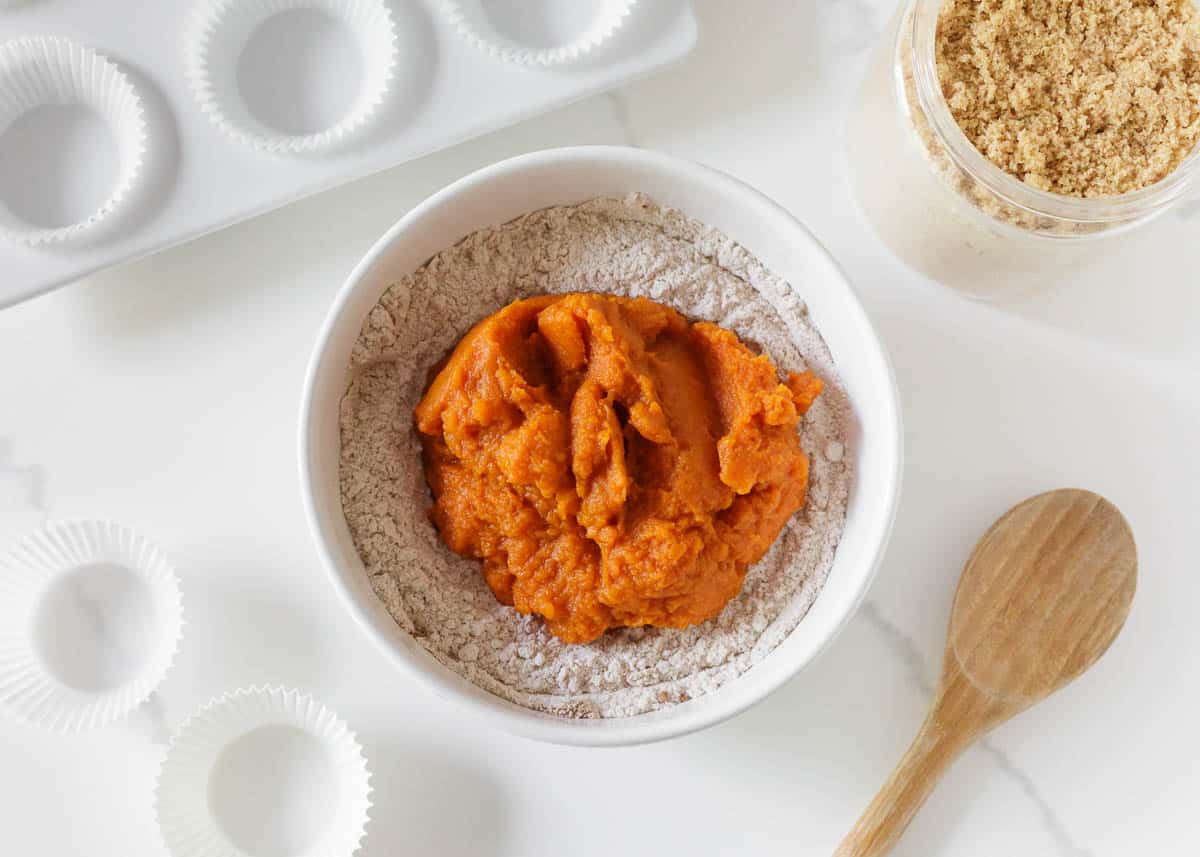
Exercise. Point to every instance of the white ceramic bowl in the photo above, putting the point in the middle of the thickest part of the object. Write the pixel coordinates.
(504, 191)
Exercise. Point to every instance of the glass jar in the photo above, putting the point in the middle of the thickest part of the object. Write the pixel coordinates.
(951, 213)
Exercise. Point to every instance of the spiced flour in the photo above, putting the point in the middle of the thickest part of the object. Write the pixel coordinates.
(622, 246)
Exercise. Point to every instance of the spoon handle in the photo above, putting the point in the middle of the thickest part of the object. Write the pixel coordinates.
(889, 814)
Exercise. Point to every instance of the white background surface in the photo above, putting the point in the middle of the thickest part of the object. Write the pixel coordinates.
(165, 395)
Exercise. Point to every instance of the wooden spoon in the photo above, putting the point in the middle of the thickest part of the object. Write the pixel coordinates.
(1045, 592)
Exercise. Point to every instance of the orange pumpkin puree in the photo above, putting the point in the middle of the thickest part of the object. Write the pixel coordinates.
(611, 463)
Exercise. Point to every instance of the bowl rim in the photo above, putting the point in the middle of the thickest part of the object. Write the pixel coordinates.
(655, 726)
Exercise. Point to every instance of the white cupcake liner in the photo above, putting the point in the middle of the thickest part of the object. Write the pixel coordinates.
(471, 22)
(47, 70)
(219, 30)
(28, 687)
(182, 793)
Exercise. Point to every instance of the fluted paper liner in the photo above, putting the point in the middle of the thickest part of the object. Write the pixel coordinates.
(219, 30)
(471, 22)
(36, 71)
(181, 799)
(28, 688)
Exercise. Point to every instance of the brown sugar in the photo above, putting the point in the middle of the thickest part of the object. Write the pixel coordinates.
(611, 463)
(1084, 98)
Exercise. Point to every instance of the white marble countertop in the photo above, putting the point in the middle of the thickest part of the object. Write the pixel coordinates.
(165, 395)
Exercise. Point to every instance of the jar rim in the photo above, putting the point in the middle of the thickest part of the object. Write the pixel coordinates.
(1133, 205)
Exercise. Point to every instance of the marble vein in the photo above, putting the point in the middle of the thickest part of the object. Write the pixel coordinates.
(23, 508)
(919, 675)
(622, 116)
(152, 721)
(22, 494)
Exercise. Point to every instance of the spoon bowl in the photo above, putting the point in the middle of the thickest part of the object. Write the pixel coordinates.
(1044, 594)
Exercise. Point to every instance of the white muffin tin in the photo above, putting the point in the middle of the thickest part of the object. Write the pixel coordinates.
(197, 177)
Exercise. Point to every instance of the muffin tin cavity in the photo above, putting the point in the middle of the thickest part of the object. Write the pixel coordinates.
(72, 139)
(537, 32)
(290, 76)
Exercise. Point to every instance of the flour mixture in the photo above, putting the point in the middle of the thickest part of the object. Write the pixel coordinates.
(628, 247)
